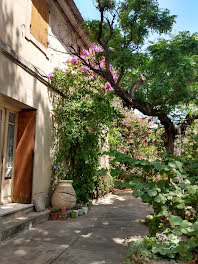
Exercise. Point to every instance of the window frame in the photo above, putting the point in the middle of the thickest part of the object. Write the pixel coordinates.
(31, 37)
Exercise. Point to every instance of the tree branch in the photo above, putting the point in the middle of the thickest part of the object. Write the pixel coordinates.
(110, 28)
(101, 9)
(139, 83)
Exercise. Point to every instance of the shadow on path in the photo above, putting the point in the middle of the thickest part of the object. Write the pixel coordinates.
(96, 238)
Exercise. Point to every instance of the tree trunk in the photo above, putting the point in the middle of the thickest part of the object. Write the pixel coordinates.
(169, 139)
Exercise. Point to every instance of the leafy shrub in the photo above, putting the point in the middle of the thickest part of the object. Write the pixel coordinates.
(81, 121)
(173, 194)
(140, 251)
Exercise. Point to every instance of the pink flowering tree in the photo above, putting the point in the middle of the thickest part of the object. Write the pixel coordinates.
(156, 81)
(137, 137)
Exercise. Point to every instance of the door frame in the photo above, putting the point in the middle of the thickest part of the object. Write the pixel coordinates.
(4, 137)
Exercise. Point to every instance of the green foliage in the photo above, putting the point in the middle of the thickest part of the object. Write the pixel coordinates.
(189, 143)
(135, 19)
(81, 119)
(169, 187)
(140, 251)
(171, 71)
(169, 67)
(136, 136)
(54, 209)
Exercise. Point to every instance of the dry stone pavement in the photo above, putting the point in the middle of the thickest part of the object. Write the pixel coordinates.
(96, 238)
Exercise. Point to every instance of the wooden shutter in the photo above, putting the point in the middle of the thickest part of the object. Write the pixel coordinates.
(22, 190)
(40, 21)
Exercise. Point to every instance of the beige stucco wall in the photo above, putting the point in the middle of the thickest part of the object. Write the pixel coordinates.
(15, 19)
(18, 84)
(26, 89)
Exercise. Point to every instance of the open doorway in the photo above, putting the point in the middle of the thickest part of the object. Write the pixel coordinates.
(17, 136)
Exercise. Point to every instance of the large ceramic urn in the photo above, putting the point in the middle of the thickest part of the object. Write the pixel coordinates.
(64, 195)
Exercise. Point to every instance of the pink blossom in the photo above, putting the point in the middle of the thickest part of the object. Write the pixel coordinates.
(85, 68)
(75, 60)
(109, 87)
(104, 89)
(50, 75)
(96, 48)
(68, 60)
(115, 78)
(110, 67)
(91, 78)
(94, 72)
(85, 52)
(101, 64)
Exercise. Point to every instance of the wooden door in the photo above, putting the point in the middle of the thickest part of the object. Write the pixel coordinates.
(24, 160)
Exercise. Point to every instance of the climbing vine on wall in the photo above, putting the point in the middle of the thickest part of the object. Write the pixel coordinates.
(82, 118)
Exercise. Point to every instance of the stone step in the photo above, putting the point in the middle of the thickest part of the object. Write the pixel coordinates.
(16, 225)
(13, 210)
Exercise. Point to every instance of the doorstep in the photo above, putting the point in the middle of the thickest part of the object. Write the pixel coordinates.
(12, 210)
(15, 218)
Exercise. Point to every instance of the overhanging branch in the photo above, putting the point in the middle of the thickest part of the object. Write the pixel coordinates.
(138, 84)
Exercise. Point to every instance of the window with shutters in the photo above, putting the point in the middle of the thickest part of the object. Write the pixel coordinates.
(40, 21)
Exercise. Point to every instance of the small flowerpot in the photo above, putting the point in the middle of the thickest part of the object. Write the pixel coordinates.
(77, 212)
(54, 215)
(194, 260)
(63, 210)
(63, 217)
(80, 212)
(73, 214)
(85, 209)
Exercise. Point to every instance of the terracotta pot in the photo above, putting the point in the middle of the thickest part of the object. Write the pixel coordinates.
(193, 261)
(63, 217)
(54, 215)
(64, 195)
(63, 210)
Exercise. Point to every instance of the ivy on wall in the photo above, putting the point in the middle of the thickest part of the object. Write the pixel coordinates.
(81, 118)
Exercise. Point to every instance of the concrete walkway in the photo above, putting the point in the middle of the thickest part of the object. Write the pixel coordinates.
(96, 238)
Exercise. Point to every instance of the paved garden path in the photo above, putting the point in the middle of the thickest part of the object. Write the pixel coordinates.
(96, 238)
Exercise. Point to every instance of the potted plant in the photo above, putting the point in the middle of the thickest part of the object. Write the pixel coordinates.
(73, 214)
(85, 209)
(63, 215)
(54, 213)
(63, 210)
(80, 211)
(75, 209)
